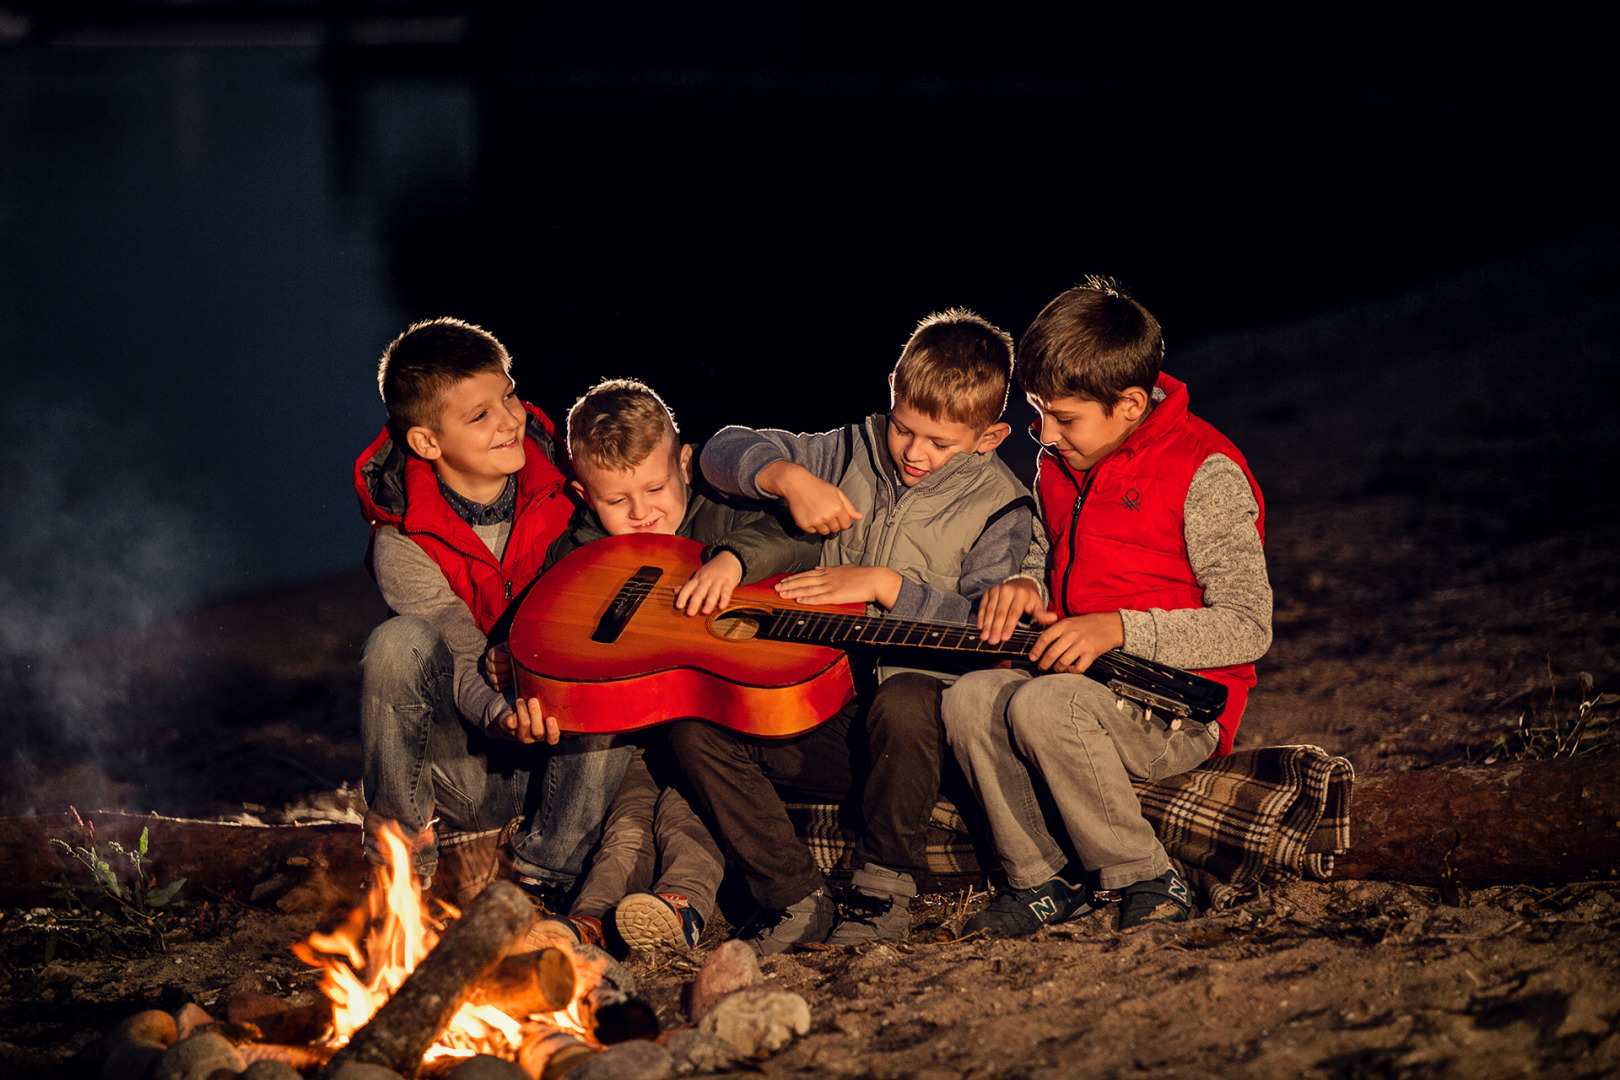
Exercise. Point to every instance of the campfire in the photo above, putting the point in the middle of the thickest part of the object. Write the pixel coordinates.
(419, 991)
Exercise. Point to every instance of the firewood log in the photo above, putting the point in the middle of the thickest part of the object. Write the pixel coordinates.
(412, 1019)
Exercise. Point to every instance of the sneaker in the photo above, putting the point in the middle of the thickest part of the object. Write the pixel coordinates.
(1021, 912)
(876, 907)
(572, 929)
(647, 920)
(1165, 898)
(808, 920)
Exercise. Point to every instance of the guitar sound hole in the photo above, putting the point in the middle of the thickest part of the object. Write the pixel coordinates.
(739, 624)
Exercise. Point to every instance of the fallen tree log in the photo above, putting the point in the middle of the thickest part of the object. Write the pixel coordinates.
(1531, 821)
(295, 867)
(1528, 821)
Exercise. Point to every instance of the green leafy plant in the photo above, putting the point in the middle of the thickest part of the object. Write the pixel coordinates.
(120, 907)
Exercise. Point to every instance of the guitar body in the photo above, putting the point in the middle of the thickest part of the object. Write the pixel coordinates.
(599, 642)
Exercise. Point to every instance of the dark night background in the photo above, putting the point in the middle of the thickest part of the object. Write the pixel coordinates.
(213, 216)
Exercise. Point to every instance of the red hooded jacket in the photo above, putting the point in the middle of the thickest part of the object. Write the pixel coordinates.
(1117, 532)
(402, 490)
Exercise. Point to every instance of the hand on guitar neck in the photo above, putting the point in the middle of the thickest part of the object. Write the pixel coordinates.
(1065, 645)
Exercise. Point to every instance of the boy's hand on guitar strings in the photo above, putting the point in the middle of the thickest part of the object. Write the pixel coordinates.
(846, 584)
(1070, 645)
(711, 586)
(1002, 606)
(526, 723)
(817, 506)
(497, 665)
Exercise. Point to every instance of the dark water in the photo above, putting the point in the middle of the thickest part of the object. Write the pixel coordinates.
(203, 250)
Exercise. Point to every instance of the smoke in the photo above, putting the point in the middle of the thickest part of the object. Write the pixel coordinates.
(101, 541)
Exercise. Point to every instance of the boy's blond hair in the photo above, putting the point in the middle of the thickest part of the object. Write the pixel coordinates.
(426, 360)
(617, 423)
(1092, 342)
(956, 367)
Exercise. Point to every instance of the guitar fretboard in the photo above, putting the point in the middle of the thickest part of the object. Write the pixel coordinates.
(841, 630)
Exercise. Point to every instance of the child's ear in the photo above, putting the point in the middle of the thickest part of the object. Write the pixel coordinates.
(579, 489)
(992, 437)
(423, 442)
(1134, 403)
(686, 462)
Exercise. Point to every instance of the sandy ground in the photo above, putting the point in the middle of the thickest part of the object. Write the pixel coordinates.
(1441, 541)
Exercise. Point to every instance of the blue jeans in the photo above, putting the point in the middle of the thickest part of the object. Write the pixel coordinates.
(421, 763)
(574, 787)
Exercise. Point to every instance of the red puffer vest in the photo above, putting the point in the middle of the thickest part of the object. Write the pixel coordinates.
(1117, 532)
(403, 491)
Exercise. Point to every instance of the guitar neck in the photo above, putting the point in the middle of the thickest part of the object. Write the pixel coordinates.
(1148, 682)
(851, 631)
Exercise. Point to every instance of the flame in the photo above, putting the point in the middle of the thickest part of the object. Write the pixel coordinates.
(386, 937)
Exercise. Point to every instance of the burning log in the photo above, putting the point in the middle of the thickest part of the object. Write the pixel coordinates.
(549, 1052)
(532, 982)
(411, 1020)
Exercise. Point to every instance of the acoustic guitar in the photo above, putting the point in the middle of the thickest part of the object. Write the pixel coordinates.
(599, 641)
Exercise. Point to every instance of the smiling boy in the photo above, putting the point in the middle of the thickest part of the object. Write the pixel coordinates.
(921, 517)
(463, 494)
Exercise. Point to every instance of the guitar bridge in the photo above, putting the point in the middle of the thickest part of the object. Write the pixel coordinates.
(631, 595)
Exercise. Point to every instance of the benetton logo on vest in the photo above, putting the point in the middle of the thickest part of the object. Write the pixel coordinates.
(1131, 500)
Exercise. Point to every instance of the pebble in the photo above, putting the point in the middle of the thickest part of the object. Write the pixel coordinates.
(189, 1017)
(131, 1059)
(637, 1059)
(484, 1067)
(361, 1070)
(270, 1070)
(153, 1025)
(198, 1058)
(697, 1051)
(731, 967)
(758, 1021)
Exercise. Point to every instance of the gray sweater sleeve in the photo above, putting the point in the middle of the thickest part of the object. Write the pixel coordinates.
(733, 459)
(994, 557)
(1223, 546)
(412, 584)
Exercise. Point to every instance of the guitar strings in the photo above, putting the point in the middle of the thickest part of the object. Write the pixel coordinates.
(821, 619)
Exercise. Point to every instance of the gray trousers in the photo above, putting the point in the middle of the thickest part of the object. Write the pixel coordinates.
(653, 842)
(1057, 753)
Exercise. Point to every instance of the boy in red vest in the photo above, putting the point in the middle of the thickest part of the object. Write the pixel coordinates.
(464, 496)
(1153, 526)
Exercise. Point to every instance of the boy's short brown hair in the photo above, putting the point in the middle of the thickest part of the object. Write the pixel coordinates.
(617, 423)
(426, 360)
(1092, 342)
(956, 367)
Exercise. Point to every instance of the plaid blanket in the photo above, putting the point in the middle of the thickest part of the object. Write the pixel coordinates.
(1276, 813)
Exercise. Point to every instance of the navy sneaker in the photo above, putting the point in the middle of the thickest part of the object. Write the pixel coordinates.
(647, 920)
(1021, 912)
(1165, 898)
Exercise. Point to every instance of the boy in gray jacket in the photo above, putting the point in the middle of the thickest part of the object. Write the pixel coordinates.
(922, 517)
